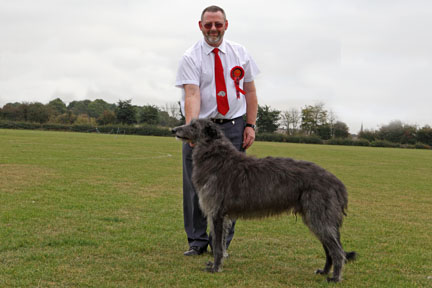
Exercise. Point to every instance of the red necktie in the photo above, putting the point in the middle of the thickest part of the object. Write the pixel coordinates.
(221, 92)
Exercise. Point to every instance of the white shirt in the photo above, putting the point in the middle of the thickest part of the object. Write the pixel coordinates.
(197, 67)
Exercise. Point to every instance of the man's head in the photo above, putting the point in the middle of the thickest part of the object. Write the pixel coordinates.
(213, 25)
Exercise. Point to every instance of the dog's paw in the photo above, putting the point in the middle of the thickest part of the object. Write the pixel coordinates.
(321, 272)
(333, 279)
(209, 264)
(211, 268)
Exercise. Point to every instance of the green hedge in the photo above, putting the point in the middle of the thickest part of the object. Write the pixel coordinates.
(276, 137)
(384, 143)
(148, 130)
(348, 142)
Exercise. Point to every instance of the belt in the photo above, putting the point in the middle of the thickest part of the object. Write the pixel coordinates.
(223, 121)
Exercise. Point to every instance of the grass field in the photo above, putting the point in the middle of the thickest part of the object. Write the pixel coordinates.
(93, 210)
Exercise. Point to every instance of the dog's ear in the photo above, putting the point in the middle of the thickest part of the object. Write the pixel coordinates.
(211, 130)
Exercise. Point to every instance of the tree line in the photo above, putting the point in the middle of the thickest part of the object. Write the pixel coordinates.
(313, 121)
(316, 120)
(97, 112)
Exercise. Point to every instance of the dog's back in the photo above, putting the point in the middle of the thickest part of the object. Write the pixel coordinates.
(289, 185)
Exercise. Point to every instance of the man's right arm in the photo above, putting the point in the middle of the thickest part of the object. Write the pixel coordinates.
(192, 102)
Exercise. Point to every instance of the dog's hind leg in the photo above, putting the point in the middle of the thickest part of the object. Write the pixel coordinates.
(337, 254)
(327, 265)
(328, 234)
(217, 231)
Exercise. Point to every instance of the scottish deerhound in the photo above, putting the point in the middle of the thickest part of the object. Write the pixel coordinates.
(231, 185)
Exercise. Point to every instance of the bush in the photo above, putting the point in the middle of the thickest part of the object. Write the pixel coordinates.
(19, 125)
(340, 141)
(109, 129)
(311, 140)
(55, 127)
(361, 142)
(276, 137)
(420, 145)
(384, 143)
(292, 139)
(348, 142)
(270, 137)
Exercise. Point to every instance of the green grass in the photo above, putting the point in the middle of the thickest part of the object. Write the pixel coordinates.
(93, 210)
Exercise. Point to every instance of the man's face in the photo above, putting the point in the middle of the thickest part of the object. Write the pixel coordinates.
(213, 26)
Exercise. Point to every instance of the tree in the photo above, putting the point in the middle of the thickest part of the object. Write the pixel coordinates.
(324, 131)
(424, 135)
(37, 112)
(85, 119)
(79, 107)
(172, 110)
(392, 132)
(125, 112)
(97, 107)
(57, 106)
(312, 118)
(149, 114)
(66, 118)
(290, 119)
(369, 135)
(409, 134)
(167, 121)
(331, 119)
(107, 117)
(340, 130)
(14, 112)
(267, 120)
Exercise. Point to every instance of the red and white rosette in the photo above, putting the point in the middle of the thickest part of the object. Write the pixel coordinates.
(237, 73)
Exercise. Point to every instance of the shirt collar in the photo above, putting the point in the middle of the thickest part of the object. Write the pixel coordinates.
(208, 49)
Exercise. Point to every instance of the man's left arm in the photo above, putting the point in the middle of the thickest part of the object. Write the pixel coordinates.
(251, 113)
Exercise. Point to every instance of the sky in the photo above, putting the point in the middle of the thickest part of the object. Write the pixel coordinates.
(367, 61)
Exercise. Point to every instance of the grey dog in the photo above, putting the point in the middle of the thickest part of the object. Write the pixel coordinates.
(231, 185)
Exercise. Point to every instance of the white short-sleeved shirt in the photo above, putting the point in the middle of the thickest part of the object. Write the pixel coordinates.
(197, 67)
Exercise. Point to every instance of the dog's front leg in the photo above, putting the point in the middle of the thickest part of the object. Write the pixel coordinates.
(217, 231)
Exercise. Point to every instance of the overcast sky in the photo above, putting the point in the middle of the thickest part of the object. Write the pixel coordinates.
(369, 61)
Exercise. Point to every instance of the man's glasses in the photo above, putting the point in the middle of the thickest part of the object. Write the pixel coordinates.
(218, 25)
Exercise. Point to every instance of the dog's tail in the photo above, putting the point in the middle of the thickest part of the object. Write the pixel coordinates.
(350, 256)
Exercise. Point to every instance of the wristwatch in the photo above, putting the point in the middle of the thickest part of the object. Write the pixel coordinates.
(250, 125)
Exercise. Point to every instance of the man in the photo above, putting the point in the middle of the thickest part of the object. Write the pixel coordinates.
(217, 84)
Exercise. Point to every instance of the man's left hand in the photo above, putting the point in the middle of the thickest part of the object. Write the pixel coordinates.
(248, 137)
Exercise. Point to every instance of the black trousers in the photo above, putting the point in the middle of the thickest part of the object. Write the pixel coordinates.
(195, 222)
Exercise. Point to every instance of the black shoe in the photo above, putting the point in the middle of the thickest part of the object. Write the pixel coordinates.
(194, 250)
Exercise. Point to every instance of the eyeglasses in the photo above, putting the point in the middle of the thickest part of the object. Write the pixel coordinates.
(218, 25)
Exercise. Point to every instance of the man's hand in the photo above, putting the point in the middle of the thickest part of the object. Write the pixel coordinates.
(248, 137)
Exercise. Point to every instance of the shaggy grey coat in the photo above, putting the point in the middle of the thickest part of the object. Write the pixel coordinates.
(232, 185)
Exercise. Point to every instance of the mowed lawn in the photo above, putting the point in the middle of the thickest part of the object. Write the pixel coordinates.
(94, 210)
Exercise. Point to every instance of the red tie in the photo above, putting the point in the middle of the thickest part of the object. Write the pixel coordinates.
(221, 92)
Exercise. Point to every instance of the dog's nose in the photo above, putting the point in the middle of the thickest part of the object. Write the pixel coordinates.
(173, 131)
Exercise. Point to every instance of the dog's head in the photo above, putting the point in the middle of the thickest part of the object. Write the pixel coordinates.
(198, 130)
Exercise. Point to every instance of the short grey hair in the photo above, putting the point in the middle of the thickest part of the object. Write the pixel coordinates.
(213, 8)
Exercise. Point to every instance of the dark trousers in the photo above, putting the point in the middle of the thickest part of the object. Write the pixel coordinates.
(195, 222)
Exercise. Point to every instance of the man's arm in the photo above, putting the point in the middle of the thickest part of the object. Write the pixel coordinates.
(192, 102)
(251, 113)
